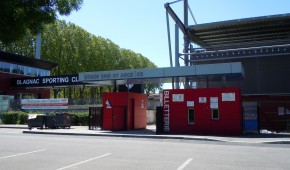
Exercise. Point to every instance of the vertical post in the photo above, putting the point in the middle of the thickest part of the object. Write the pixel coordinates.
(177, 54)
(224, 81)
(169, 45)
(186, 42)
(115, 86)
(169, 39)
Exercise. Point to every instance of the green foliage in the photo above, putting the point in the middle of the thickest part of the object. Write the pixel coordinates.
(75, 50)
(80, 118)
(14, 117)
(131, 60)
(22, 118)
(19, 117)
(19, 16)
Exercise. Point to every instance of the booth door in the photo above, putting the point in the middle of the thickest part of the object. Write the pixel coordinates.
(250, 117)
(118, 118)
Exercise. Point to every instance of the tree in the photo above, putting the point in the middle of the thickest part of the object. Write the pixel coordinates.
(20, 16)
(131, 60)
(75, 50)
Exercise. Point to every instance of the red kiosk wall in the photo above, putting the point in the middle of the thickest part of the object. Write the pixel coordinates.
(138, 111)
(228, 123)
(112, 102)
(124, 111)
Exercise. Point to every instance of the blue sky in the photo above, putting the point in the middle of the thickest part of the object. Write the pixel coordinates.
(140, 25)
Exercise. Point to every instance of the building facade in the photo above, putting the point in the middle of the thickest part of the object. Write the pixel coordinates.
(17, 66)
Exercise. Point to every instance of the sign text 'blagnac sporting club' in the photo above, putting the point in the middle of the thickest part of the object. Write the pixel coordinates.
(45, 81)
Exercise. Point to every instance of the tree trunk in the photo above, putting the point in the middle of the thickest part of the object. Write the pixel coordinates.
(82, 89)
(55, 93)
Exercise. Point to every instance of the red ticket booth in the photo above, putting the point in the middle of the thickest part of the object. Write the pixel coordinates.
(124, 111)
(210, 111)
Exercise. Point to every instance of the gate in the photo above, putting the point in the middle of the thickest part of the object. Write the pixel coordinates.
(274, 115)
(95, 117)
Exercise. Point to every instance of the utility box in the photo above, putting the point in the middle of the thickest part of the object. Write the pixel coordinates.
(36, 120)
(124, 111)
(63, 120)
(210, 111)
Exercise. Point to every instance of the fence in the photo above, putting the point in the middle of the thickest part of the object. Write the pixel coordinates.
(15, 104)
(95, 118)
(85, 101)
(83, 105)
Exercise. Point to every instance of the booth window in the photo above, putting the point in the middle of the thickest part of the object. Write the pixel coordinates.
(190, 115)
(215, 114)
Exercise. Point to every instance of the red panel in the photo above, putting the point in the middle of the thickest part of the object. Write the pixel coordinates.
(229, 122)
(140, 106)
(107, 119)
(130, 117)
(118, 118)
(107, 111)
(134, 107)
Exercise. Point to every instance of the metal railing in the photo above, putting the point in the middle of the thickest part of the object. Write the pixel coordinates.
(85, 101)
(15, 104)
(82, 102)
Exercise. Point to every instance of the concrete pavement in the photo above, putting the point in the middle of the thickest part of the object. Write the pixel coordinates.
(150, 132)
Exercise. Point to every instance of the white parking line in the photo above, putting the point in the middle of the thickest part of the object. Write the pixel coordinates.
(85, 161)
(185, 164)
(22, 154)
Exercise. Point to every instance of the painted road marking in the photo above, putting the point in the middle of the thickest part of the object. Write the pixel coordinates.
(85, 161)
(185, 164)
(22, 154)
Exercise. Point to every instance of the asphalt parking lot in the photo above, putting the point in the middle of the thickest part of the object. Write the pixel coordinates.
(20, 151)
(57, 152)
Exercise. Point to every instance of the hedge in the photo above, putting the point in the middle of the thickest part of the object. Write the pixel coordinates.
(14, 117)
(20, 117)
(80, 118)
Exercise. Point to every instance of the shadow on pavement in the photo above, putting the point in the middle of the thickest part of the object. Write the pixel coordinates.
(266, 135)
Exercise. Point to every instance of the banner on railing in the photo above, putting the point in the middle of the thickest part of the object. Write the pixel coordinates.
(35, 104)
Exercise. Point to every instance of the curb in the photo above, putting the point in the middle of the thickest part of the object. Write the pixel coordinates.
(124, 135)
(144, 136)
(13, 127)
(153, 137)
(278, 142)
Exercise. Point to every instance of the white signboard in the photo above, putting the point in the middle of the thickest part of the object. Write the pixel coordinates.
(231, 97)
(281, 111)
(108, 104)
(214, 103)
(177, 97)
(214, 99)
(190, 103)
(35, 104)
(5, 102)
(202, 99)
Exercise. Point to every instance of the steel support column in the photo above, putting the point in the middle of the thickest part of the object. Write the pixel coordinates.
(177, 54)
(186, 41)
(169, 45)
